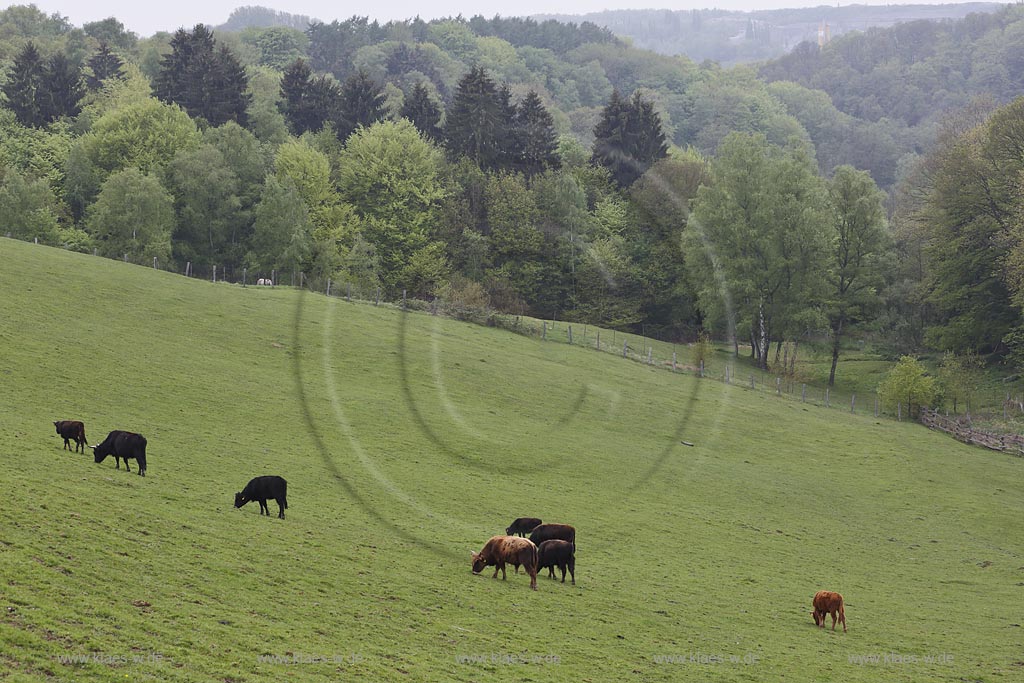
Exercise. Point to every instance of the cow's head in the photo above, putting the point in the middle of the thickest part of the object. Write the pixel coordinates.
(478, 562)
(240, 500)
(508, 531)
(99, 454)
(57, 426)
(817, 619)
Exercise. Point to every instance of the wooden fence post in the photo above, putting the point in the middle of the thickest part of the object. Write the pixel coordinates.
(827, 404)
(403, 299)
(649, 350)
(751, 381)
(377, 302)
(154, 263)
(570, 335)
(625, 348)
(726, 374)
(328, 286)
(273, 278)
(599, 340)
(899, 411)
(126, 257)
(215, 273)
(803, 393)
(544, 330)
(853, 400)
(245, 276)
(778, 386)
(673, 361)
(348, 291)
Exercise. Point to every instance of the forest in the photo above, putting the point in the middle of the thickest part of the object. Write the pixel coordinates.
(869, 186)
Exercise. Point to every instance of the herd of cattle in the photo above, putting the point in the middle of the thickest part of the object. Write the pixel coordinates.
(131, 446)
(549, 546)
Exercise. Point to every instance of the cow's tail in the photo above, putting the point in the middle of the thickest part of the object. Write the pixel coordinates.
(842, 612)
(284, 498)
(82, 434)
(534, 559)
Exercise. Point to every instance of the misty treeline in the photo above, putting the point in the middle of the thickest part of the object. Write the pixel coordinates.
(539, 168)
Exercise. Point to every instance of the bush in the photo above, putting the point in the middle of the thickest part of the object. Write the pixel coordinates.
(702, 350)
(909, 385)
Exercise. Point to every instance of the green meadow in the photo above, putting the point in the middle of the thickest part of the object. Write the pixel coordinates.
(407, 441)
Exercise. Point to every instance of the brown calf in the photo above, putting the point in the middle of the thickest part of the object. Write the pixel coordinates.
(512, 549)
(827, 602)
(72, 429)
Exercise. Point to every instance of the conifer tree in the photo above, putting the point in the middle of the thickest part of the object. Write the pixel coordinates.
(536, 128)
(474, 120)
(424, 113)
(23, 86)
(205, 81)
(361, 104)
(104, 64)
(62, 89)
(628, 138)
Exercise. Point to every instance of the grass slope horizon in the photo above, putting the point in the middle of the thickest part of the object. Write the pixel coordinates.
(407, 441)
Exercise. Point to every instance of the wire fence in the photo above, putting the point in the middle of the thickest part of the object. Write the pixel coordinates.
(669, 356)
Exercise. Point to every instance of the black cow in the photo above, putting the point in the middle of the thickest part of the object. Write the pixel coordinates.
(546, 532)
(556, 553)
(262, 488)
(71, 429)
(123, 446)
(522, 526)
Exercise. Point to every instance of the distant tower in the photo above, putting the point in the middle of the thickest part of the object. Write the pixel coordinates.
(824, 34)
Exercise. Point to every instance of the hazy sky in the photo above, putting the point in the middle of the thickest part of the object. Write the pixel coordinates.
(146, 17)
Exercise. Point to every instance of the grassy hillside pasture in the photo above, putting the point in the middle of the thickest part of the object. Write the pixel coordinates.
(407, 440)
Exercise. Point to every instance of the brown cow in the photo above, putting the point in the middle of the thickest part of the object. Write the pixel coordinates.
(555, 553)
(71, 429)
(512, 549)
(827, 602)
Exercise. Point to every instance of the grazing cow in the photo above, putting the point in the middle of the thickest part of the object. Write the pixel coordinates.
(123, 446)
(262, 488)
(562, 532)
(264, 281)
(70, 429)
(827, 602)
(556, 553)
(512, 549)
(522, 526)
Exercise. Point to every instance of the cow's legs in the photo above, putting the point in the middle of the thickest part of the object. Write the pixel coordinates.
(833, 621)
(280, 509)
(501, 566)
(264, 510)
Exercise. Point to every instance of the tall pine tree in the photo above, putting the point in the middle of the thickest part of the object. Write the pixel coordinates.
(23, 87)
(539, 141)
(628, 139)
(424, 113)
(62, 90)
(206, 82)
(361, 104)
(474, 122)
(104, 64)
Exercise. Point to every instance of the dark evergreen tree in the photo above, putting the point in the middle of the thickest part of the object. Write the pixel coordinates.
(628, 138)
(226, 101)
(361, 104)
(610, 137)
(24, 85)
(62, 89)
(509, 137)
(424, 113)
(539, 141)
(474, 121)
(104, 64)
(206, 82)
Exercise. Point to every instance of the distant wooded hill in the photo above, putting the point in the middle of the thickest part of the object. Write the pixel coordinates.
(736, 37)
